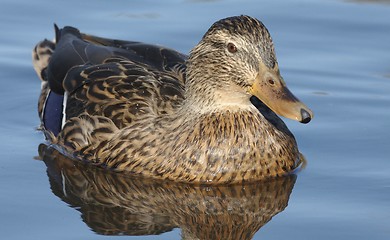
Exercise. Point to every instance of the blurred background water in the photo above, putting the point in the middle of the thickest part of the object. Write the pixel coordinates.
(333, 54)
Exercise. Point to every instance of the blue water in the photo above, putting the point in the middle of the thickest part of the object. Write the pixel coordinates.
(333, 54)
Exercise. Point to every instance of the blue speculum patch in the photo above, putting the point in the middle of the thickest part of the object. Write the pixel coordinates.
(52, 114)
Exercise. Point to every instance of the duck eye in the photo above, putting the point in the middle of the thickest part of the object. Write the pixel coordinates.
(231, 48)
(271, 81)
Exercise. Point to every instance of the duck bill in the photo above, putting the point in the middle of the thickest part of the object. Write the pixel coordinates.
(280, 100)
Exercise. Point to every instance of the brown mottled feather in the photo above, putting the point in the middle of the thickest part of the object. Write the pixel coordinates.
(123, 91)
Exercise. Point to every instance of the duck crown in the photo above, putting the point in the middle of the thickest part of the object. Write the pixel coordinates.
(249, 29)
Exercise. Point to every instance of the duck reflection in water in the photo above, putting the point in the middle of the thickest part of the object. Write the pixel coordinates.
(116, 204)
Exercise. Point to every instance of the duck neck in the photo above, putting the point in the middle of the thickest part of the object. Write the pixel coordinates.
(206, 91)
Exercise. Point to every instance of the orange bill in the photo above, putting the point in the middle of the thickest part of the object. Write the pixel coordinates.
(271, 89)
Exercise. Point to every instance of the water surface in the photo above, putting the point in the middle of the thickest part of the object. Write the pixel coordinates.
(334, 55)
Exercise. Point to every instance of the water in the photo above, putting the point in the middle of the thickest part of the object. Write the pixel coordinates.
(333, 54)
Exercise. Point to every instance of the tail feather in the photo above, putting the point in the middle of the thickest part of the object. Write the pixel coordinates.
(57, 31)
(41, 55)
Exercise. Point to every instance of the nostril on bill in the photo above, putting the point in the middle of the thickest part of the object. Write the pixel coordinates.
(305, 116)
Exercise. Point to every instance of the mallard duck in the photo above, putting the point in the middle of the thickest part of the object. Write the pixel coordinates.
(152, 111)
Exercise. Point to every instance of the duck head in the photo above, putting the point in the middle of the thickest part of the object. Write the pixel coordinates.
(236, 60)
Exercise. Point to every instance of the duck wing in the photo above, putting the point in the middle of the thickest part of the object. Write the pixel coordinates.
(122, 80)
(159, 57)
